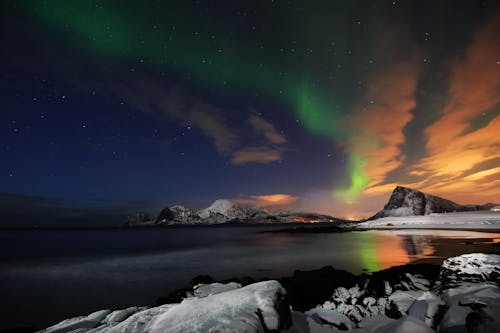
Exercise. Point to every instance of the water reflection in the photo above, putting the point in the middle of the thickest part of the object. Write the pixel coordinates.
(381, 249)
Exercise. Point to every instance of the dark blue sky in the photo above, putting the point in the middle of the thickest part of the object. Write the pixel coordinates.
(331, 104)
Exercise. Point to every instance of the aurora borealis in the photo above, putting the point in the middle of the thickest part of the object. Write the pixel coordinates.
(328, 104)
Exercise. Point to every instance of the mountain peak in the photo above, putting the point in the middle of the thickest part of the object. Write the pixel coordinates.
(405, 201)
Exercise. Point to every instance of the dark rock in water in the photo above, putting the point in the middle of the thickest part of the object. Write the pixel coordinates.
(306, 289)
(205, 279)
(405, 201)
(395, 276)
(174, 297)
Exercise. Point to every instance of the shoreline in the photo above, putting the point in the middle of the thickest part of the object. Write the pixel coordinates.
(423, 296)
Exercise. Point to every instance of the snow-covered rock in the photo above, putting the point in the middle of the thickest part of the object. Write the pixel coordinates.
(259, 307)
(204, 290)
(373, 323)
(475, 307)
(402, 300)
(470, 289)
(341, 295)
(120, 315)
(82, 323)
(474, 268)
(330, 317)
(406, 324)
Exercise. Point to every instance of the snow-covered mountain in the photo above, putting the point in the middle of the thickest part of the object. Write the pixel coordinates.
(229, 211)
(405, 201)
(177, 214)
(223, 210)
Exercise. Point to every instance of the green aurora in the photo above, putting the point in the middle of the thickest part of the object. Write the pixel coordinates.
(212, 59)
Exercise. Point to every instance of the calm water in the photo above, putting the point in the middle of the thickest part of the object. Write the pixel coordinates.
(49, 275)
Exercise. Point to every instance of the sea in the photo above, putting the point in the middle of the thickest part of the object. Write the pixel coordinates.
(47, 275)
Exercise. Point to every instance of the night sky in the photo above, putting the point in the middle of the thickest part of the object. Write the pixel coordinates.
(330, 104)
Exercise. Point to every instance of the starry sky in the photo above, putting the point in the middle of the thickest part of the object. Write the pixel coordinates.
(310, 105)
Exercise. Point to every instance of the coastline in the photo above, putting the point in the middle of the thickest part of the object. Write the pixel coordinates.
(423, 296)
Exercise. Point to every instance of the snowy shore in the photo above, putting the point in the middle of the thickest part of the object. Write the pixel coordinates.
(463, 295)
(478, 220)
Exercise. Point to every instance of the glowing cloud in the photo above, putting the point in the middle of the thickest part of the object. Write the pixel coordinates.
(255, 155)
(374, 146)
(268, 200)
(461, 155)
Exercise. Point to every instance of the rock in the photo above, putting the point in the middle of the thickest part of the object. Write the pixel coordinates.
(341, 295)
(351, 311)
(355, 292)
(299, 323)
(402, 300)
(387, 288)
(417, 283)
(79, 323)
(260, 307)
(136, 323)
(375, 322)
(369, 301)
(418, 309)
(330, 317)
(381, 304)
(383, 283)
(472, 268)
(120, 315)
(204, 290)
(307, 289)
(472, 306)
(405, 325)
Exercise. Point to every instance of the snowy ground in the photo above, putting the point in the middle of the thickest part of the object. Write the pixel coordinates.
(488, 220)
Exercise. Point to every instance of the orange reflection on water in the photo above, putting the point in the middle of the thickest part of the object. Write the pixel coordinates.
(381, 249)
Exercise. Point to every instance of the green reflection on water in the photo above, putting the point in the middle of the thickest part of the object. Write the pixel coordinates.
(367, 247)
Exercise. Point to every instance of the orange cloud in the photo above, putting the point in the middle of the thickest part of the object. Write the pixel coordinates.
(474, 87)
(268, 201)
(388, 103)
(455, 150)
(256, 155)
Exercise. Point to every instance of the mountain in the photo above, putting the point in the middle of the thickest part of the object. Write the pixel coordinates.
(229, 211)
(405, 201)
(221, 211)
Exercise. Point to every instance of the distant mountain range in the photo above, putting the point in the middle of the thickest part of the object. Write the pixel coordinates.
(405, 201)
(228, 211)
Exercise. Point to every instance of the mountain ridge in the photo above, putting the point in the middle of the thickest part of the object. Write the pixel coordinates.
(405, 201)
